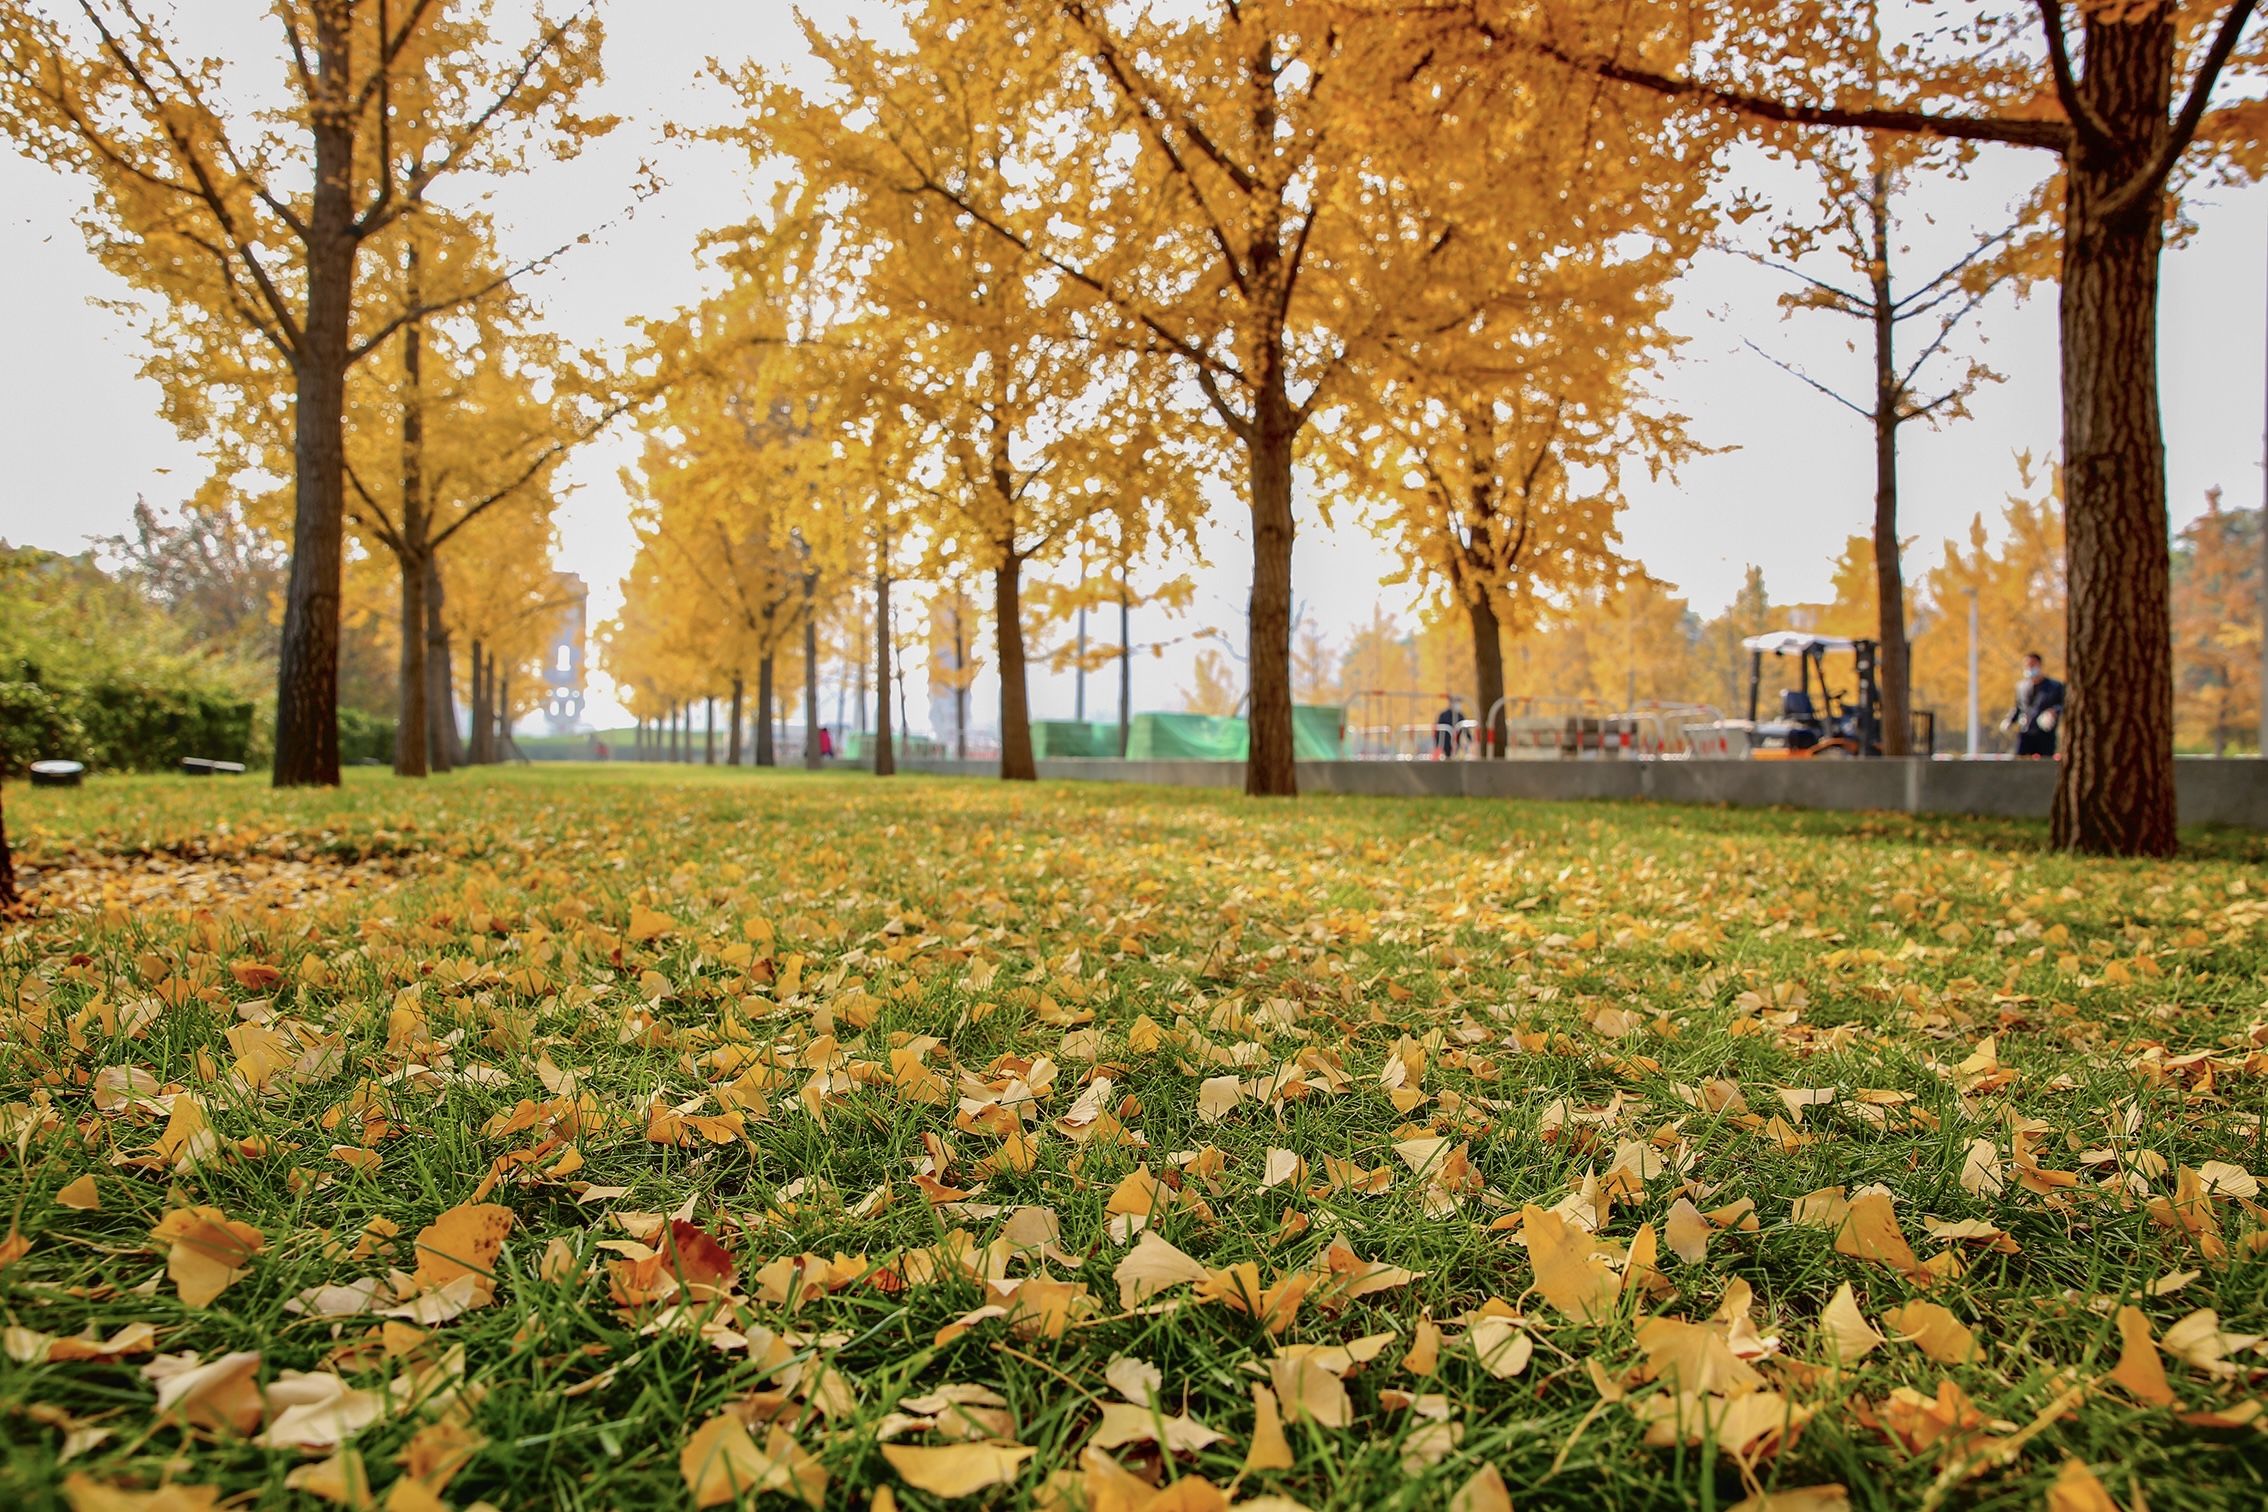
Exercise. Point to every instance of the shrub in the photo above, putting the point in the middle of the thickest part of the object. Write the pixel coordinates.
(365, 738)
(36, 724)
(119, 727)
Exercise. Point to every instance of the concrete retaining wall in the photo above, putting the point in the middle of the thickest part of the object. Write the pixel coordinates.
(2233, 792)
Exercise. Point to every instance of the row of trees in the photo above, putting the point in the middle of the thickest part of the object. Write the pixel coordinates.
(1041, 266)
(1022, 310)
(1422, 249)
(324, 315)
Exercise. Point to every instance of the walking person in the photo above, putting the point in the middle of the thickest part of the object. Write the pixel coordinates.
(2038, 712)
(1445, 730)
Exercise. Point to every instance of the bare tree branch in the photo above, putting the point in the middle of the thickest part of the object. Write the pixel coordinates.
(1793, 371)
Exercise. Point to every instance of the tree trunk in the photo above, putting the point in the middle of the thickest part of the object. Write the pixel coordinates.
(739, 694)
(766, 753)
(412, 709)
(413, 742)
(1892, 660)
(444, 747)
(9, 897)
(810, 673)
(1488, 672)
(885, 758)
(1079, 686)
(1016, 764)
(1125, 673)
(473, 709)
(503, 715)
(2116, 795)
(1269, 771)
(709, 728)
(960, 676)
(307, 671)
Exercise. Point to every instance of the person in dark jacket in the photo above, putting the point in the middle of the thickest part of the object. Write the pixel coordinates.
(2039, 710)
(1445, 729)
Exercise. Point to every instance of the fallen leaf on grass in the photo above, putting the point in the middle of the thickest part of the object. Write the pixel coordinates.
(1306, 1389)
(956, 1469)
(222, 1395)
(316, 1411)
(1217, 1097)
(463, 1242)
(207, 1252)
(1935, 1331)
(1153, 1266)
(1846, 1327)
(2076, 1489)
(1687, 1232)
(1125, 1423)
(1870, 1232)
(1484, 1491)
(88, 1495)
(1425, 1349)
(1694, 1357)
(1269, 1449)
(1832, 1498)
(28, 1346)
(1569, 1273)
(1501, 1345)
(82, 1195)
(2139, 1368)
(722, 1463)
(342, 1479)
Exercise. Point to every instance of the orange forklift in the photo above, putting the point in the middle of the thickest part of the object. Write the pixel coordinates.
(1821, 725)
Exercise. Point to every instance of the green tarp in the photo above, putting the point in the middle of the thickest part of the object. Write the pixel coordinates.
(1068, 737)
(1215, 737)
(855, 747)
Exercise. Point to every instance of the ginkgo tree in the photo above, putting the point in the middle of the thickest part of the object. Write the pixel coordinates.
(1499, 454)
(262, 218)
(1254, 192)
(466, 413)
(1857, 235)
(1030, 422)
(2134, 99)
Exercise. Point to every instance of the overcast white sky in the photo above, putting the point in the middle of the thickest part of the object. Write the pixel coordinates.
(81, 435)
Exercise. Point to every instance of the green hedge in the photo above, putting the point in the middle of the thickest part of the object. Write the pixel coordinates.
(365, 738)
(37, 725)
(120, 727)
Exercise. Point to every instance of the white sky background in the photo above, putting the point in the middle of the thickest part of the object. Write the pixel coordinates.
(81, 436)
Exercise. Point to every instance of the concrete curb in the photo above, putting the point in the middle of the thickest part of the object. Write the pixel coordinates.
(2228, 792)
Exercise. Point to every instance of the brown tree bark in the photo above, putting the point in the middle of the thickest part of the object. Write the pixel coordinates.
(1488, 669)
(1269, 770)
(885, 755)
(766, 753)
(483, 717)
(960, 677)
(445, 748)
(810, 672)
(739, 694)
(307, 672)
(413, 742)
(2116, 795)
(1893, 658)
(1016, 764)
(9, 897)
(1125, 672)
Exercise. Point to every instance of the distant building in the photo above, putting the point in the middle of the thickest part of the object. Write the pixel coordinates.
(563, 663)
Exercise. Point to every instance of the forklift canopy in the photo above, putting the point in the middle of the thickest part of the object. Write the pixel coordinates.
(1796, 643)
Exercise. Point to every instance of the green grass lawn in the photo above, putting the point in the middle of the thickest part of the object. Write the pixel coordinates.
(867, 1142)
